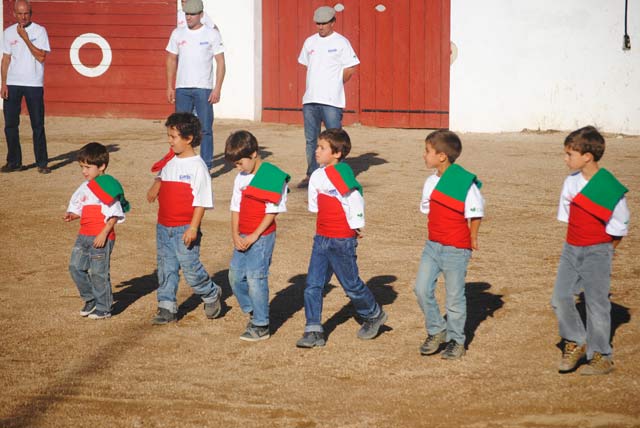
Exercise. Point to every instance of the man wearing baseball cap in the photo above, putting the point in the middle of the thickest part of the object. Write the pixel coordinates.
(191, 52)
(330, 62)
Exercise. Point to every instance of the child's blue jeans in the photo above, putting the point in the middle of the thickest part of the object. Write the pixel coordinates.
(89, 268)
(248, 277)
(335, 255)
(173, 255)
(452, 263)
(585, 269)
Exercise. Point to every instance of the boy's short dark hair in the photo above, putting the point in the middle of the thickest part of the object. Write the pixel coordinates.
(338, 140)
(446, 142)
(586, 140)
(187, 126)
(93, 154)
(240, 144)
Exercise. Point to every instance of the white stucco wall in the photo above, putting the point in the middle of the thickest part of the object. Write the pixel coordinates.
(240, 23)
(546, 64)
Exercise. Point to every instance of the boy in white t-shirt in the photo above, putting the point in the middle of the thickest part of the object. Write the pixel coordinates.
(259, 195)
(183, 190)
(99, 203)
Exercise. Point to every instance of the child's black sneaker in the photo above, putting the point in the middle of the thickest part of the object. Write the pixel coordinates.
(311, 339)
(370, 327)
(164, 316)
(433, 342)
(254, 333)
(88, 308)
(100, 315)
(453, 351)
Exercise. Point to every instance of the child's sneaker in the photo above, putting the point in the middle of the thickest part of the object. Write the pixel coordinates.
(254, 333)
(572, 354)
(164, 316)
(88, 308)
(311, 339)
(432, 343)
(212, 310)
(370, 327)
(453, 351)
(599, 365)
(100, 315)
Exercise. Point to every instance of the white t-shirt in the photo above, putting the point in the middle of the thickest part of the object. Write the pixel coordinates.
(195, 50)
(352, 202)
(325, 59)
(191, 171)
(473, 203)
(242, 181)
(24, 69)
(618, 224)
(205, 20)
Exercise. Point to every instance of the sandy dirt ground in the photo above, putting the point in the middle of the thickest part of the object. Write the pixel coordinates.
(58, 369)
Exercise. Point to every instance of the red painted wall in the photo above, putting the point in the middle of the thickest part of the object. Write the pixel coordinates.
(403, 78)
(134, 84)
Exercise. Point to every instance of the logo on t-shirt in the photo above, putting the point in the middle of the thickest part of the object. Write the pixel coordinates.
(13, 42)
(182, 43)
(184, 177)
(204, 43)
(332, 50)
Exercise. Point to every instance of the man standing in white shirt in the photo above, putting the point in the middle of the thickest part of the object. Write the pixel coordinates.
(330, 62)
(190, 55)
(26, 45)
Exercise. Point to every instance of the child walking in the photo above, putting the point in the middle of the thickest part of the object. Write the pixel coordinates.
(454, 206)
(99, 203)
(183, 190)
(336, 197)
(259, 195)
(592, 202)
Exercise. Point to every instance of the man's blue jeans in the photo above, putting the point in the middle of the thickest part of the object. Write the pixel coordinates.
(89, 268)
(186, 100)
(314, 114)
(588, 269)
(335, 255)
(173, 255)
(34, 97)
(452, 263)
(248, 277)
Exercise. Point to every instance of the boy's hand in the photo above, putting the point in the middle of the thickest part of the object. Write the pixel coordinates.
(474, 243)
(70, 217)
(100, 240)
(239, 243)
(359, 233)
(250, 239)
(189, 236)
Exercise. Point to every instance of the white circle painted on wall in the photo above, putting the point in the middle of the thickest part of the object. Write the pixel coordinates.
(74, 54)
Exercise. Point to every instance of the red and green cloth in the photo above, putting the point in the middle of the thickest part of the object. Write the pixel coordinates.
(109, 190)
(266, 185)
(453, 186)
(342, 177)
(600, 195)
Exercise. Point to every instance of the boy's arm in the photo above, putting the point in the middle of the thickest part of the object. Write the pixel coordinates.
(101, 238)
(474, 226)
(152, 193)
(191, 233)
(238, 242)
(616, 241)
(264, 224)
(70, 216)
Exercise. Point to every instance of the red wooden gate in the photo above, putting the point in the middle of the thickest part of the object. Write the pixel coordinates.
(107, 57)
(404, 49)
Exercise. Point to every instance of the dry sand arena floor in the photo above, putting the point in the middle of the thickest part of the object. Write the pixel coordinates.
(60, 370)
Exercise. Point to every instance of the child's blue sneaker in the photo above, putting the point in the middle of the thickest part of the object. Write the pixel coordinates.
(311, 339)
(100, 315)
(88, 308)
(254, 333)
